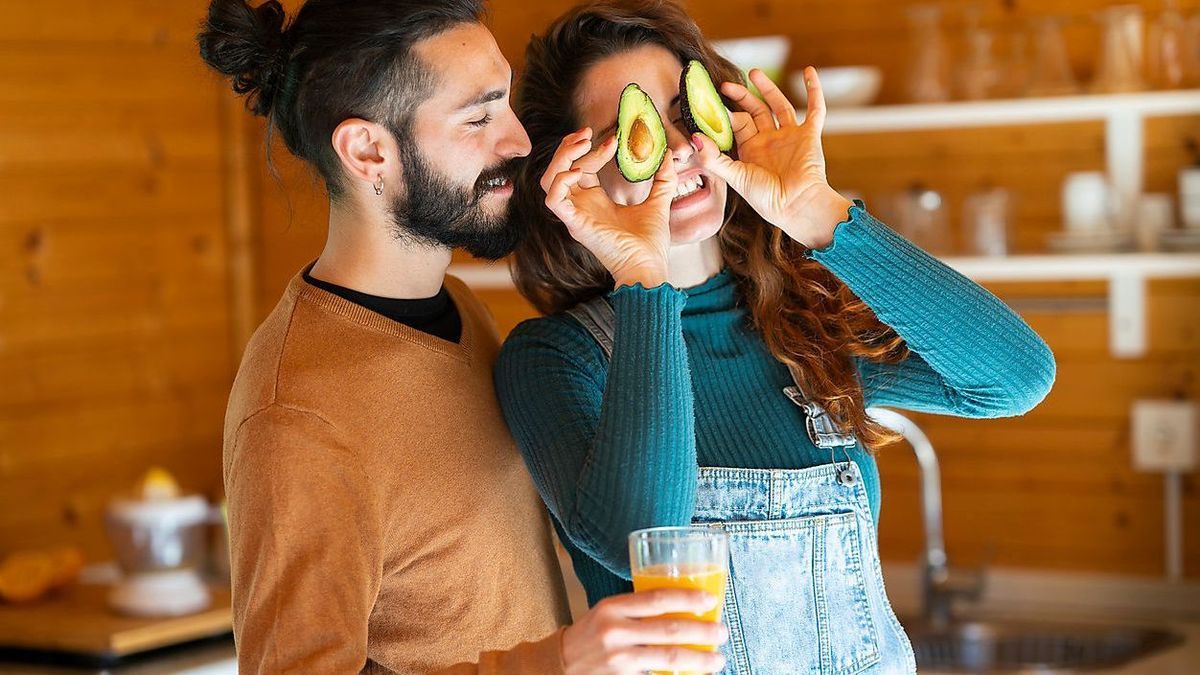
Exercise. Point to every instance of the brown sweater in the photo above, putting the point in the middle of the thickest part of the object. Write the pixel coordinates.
(380, 516)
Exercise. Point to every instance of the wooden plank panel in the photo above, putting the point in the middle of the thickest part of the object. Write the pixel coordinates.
(27, 149)
(76, 374)
(60, 465)
(81, 77)
(193, 190)
(148, 22)
(154, 116)
(121, 250)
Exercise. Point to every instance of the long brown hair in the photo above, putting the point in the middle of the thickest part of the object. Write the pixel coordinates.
(807, 317)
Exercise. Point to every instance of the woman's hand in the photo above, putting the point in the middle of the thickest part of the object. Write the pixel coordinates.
(630, 241)
(780, 170)
(626, 635)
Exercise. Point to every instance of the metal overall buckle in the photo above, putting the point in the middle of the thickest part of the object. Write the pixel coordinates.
(824, 433)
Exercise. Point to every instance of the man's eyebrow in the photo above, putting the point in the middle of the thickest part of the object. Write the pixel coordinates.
(489, 96)
(486, 97)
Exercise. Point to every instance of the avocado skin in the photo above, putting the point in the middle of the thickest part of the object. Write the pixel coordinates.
(685, 107)
(626, 164)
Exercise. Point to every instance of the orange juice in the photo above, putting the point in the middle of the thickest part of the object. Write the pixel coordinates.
(698, 576)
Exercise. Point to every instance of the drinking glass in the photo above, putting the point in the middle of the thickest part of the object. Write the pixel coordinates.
(681, 557)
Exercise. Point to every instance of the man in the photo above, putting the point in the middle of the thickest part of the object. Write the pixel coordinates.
(380, 516)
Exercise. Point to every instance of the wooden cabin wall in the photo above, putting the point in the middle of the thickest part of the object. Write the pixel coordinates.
(116, 352)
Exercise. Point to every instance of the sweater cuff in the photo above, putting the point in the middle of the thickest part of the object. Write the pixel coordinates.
(640, 304)
(854, 226)
(543, 657)
(865, 251)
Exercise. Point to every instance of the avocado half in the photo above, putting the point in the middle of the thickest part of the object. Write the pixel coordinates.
(703, 110)
(641, 137)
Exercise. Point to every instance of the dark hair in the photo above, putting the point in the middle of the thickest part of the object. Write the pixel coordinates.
(337, 59)
(805, 315)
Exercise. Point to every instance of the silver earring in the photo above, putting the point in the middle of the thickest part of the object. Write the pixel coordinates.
(379, 186)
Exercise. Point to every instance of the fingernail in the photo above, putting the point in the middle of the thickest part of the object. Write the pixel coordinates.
(697, 143)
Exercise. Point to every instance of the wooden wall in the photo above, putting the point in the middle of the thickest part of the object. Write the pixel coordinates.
(115, 345)
(125, 268)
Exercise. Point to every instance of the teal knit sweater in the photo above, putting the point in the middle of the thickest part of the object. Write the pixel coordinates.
(615, 447)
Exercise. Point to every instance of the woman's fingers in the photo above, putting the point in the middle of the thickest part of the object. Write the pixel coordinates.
(783, 109)
(743, 127)
(750, 103)
(719, 164)
(816, 100)
(597, 157)
(665, 181)
(572, 147)
(559, 193)
(591, 163)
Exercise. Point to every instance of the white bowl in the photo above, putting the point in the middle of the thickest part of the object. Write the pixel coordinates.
(844, 86)
(768, 53)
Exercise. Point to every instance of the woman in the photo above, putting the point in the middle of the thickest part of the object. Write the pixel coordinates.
(752, 307)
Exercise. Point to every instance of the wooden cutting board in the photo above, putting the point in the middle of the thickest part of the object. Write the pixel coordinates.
(79, 621)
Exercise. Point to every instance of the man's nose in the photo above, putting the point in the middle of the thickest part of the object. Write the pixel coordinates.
(514, 142)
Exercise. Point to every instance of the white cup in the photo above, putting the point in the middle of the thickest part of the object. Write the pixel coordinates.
(1087, 202)
(1155, 215)
(1189, 197)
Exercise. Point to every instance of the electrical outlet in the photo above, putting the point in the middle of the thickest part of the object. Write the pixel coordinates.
(1165, 435)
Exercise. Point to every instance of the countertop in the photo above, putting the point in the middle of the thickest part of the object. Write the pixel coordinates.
(1024, 594)
(209, 657)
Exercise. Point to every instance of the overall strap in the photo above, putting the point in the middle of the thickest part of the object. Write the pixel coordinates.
(821, 429)
(600, 320)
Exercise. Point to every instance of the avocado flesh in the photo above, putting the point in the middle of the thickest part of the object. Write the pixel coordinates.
(641, 137)
(703, 110)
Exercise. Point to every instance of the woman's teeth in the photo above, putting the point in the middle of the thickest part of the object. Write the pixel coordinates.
(688, 186)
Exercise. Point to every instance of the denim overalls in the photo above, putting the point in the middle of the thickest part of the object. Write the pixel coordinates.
(805, 593)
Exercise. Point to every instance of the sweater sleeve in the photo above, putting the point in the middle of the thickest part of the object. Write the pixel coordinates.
(543, 657)
(971, 355)
(609, 453)
(304, 547)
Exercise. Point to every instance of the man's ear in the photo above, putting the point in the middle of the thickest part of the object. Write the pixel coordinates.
(367, 152)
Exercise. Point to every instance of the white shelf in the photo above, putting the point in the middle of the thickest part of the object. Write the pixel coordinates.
(1126, 274)
(915, 117)
(1078, 267)
(1123, 116)
(1042, 267)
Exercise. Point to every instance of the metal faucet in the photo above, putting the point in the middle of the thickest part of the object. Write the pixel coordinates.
(940, 584)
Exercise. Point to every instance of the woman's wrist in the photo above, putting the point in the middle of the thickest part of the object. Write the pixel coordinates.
(648, 277)
(821, 215)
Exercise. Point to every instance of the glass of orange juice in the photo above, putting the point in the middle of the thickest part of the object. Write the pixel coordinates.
(681, 557)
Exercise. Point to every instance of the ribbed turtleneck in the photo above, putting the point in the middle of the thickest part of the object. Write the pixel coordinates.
(614, 447)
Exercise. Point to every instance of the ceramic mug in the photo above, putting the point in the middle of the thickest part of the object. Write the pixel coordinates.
(1189, 197)
(1087, 202)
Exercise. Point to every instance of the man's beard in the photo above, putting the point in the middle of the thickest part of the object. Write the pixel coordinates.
(434, 210)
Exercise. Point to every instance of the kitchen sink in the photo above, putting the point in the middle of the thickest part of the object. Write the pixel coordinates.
(1021, 647)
